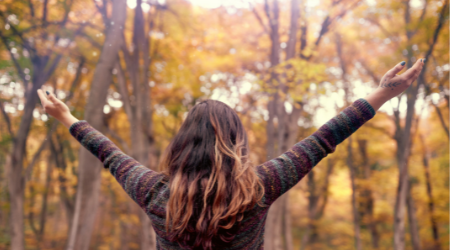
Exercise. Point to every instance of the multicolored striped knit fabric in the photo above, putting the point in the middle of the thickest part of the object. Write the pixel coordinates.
(148, 190)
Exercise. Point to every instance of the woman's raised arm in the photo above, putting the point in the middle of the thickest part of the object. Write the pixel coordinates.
(282, 173)
(140, 182)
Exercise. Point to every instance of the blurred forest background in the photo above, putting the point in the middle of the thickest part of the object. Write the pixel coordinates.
(134, 68)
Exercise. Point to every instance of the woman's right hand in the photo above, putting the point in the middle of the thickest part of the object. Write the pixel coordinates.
(391, 84)
(56, 108)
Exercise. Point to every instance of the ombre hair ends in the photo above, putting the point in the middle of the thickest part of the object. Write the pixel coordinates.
(212, 181)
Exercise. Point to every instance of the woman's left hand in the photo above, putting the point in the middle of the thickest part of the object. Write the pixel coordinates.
(56, 108)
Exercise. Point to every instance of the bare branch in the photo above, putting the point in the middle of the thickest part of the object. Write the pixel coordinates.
(123, 90)
(293, 27)
(13, 58)
(260, 21)
(29, 169)
(44, 11)
(374, 77)
(267, 11)
(383, 130)
(327, 23)
(441, 119)
(30, 4)
(7, 120)
(102, 11)
(382, 28)
(58, 57)
(442, 17)
(91, 40)
(76, 80)
(25, 44)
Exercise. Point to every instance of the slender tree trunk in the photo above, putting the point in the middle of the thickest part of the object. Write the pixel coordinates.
(138, 111)
(403, 135)
(315, 207)
(356, 220)
(89, 167)
(350, 160)
(441, 119)
(312, 207)
(274, 222)
(434, 227)
(58, 158)
(369, 201)
(412, 220)
(16, 181)
(43, 215)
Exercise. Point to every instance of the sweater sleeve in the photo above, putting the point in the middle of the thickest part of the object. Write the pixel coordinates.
(137, 180)
(282, 173)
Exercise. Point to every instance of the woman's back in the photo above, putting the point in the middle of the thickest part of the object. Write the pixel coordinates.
(249, 233)
(151, 190)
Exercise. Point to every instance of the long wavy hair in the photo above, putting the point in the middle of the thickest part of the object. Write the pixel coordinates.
(211, 179)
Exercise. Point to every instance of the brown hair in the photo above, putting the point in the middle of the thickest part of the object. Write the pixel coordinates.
(212, 181)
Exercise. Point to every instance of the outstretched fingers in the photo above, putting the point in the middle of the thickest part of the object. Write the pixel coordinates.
(392, 72)
(53, 99)
(413, 72)
(44, 100)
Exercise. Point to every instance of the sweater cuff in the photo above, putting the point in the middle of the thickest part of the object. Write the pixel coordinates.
(365, 106)
(76, 129)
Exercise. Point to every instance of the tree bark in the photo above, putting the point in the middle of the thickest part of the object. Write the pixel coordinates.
(89, 167)
(412, 220)
(403, 135)
(317, 201)
(434, 227)
(274, 222)
(139, 111)
(356, 220)
(350, 160)
(368, 196)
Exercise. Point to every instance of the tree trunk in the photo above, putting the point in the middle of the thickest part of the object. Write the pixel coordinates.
(274, 222)
(89, 167)
(412, 220)
(403, 135)
(356, 221)
(43, 215)
(315, 211)
(16, 181)
(350, 161)
(138, 111)
(369, 201)
(434, 227)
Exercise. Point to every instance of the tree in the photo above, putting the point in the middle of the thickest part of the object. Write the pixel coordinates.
(89, 174)
(43, 62)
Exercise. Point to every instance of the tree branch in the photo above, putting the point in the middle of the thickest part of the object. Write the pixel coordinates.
(29, 170)
(76, 80)
(372, 74)
(44, 11)
(441, 118)
(16, 63)
(7, 120)
(25, 44)
(260, 21)
(267, 11)
(31, 6)
(123, 90)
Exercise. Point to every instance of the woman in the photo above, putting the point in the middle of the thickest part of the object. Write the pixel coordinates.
(210, 196)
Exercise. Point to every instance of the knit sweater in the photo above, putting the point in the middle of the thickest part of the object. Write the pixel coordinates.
(278, 175)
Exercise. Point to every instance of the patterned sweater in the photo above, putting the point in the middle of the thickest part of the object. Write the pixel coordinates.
(280, 174)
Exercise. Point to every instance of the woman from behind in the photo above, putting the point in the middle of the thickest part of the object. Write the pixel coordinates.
(209, 195)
